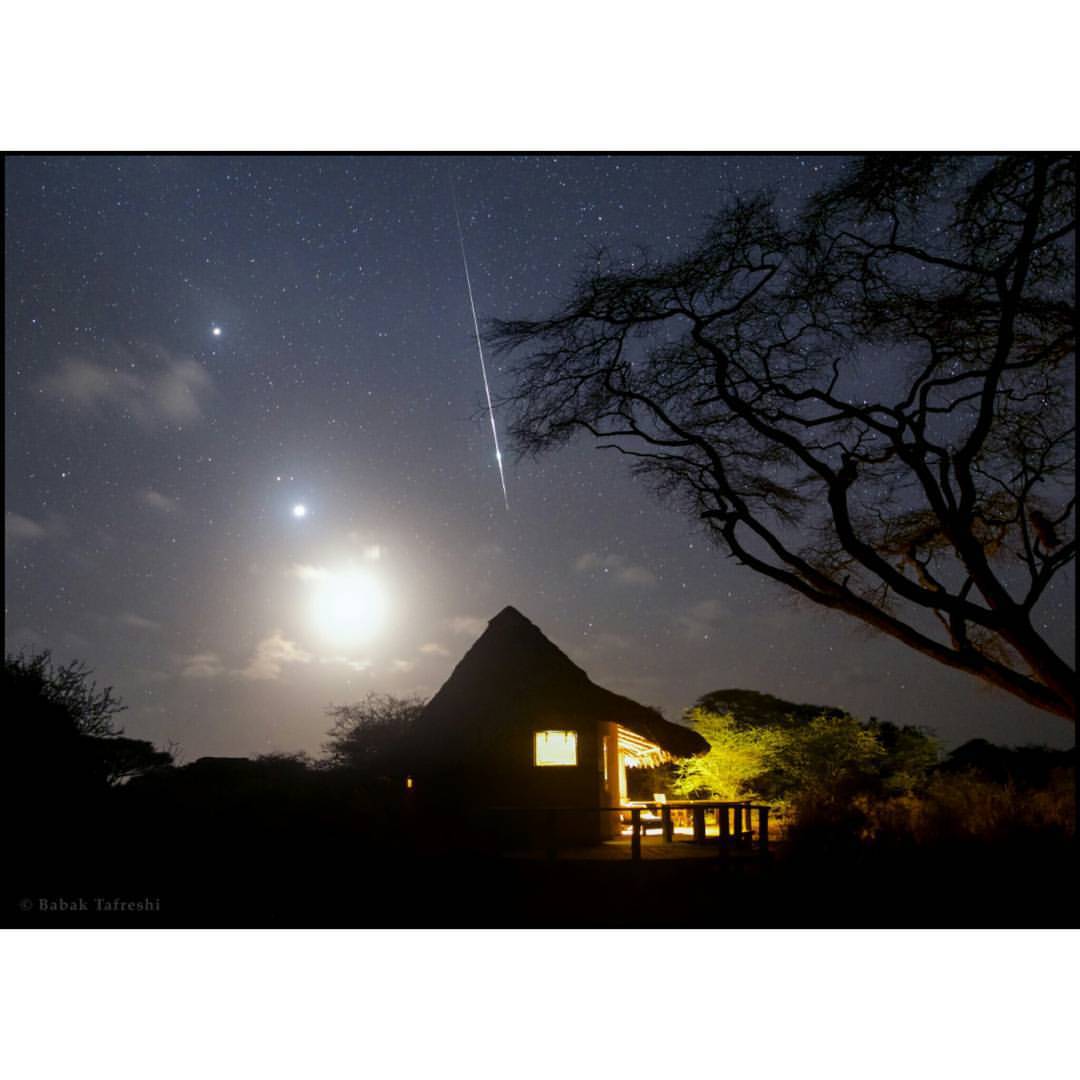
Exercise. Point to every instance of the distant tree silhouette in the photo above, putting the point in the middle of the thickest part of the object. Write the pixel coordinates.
(751, 708)
(373, 735)
(123, 759)
(1023, 766)
(911, 755)
(61, 728)
(67, 692)
(870, 405)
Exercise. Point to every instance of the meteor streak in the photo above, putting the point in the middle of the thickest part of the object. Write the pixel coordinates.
(479, 346)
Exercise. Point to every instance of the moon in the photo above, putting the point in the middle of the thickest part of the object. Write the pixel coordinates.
(348, 608)
(216, 331)
(299, 511)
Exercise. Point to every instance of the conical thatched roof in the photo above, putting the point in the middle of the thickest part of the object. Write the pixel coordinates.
(513, 668)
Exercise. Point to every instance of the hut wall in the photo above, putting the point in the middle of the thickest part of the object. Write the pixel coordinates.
(497, 777)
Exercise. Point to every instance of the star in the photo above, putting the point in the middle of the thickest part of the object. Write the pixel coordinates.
(216, 331)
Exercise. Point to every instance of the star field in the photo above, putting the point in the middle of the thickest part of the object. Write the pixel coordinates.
(231, 379)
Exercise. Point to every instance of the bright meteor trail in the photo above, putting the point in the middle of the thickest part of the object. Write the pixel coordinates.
(479, 346)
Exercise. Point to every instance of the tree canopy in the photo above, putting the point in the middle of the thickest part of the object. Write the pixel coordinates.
(800, 756)
(61, 725)
(65, 695)
(374, 734)
(752, 708)
(871, 404)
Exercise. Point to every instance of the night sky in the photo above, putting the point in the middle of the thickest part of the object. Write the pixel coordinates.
(199, 347)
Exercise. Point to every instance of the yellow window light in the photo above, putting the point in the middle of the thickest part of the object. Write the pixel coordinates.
(555, 748)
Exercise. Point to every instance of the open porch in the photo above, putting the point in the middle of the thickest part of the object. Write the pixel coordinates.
(683, 829)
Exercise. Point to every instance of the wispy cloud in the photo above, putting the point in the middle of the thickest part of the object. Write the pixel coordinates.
(308, 573)
(356, 665)
(433, 648)
(147, 384)
(157, 501)
(368, 545)
(270, 659)
(616, 567)
(467, 625)
(137, 622)
(702, 620)
(610, 642)
(636, 575)
(17, 527)
(271, 656)
(204, 665)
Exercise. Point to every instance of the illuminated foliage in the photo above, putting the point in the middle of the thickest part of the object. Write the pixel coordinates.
(824, 764)
(737, 757)
(967, 806)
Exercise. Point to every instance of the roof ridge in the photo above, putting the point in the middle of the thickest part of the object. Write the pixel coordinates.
(514, 661)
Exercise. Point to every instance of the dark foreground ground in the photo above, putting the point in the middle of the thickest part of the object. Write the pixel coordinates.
(357, 888)
(252, 848)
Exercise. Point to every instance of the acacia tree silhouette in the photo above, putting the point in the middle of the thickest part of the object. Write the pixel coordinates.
(871, 406)
(374, 734)
(61, 724)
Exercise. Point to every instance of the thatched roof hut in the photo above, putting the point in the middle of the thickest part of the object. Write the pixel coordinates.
(518, 723)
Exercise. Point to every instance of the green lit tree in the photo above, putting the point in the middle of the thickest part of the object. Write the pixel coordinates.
(820, 766)
(824, 766)
(737, 757)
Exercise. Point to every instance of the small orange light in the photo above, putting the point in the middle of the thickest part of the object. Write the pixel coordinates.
(408, 782)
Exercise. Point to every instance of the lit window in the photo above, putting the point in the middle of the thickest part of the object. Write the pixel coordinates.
(556, 748)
